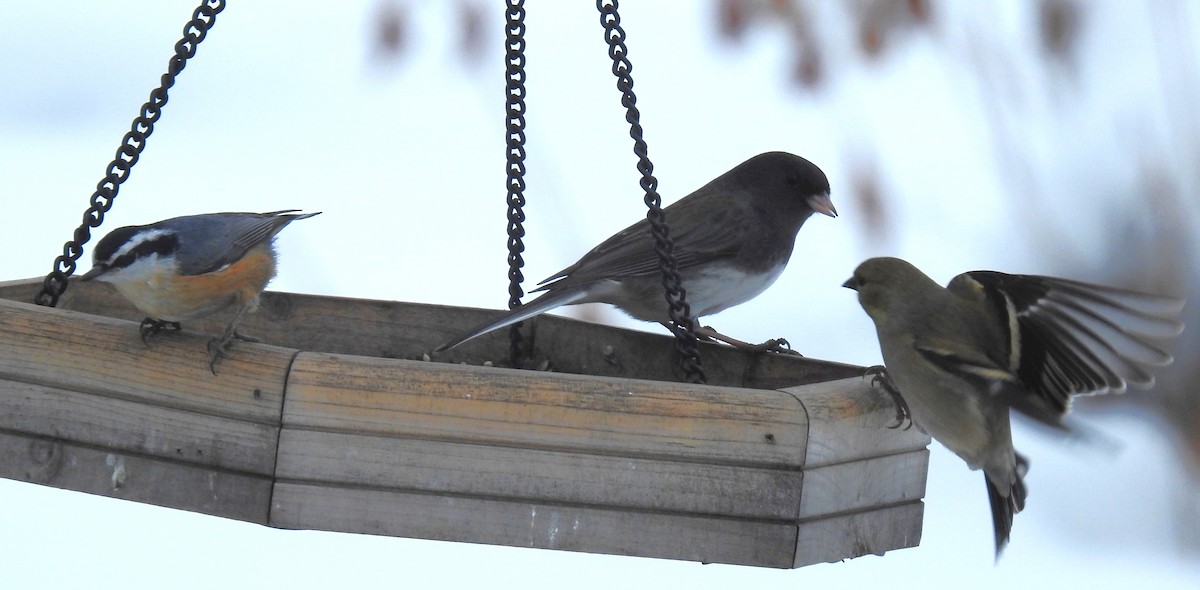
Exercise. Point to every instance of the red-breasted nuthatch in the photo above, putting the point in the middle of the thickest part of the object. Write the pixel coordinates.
(189, 267)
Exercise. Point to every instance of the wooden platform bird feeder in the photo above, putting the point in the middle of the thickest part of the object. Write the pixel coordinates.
(338, 424)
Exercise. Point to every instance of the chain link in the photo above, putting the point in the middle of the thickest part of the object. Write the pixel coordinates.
(680, 313)
(514, 60)
(128, 153)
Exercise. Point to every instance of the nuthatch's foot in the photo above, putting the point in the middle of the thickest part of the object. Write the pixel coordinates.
(219, 348)
(246, 337)
(150, 326)
(880, 377)
(775, 345)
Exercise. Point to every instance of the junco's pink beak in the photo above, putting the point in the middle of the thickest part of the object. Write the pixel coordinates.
(821, 204)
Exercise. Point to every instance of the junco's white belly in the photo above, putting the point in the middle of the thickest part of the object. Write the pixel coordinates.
(714, 290)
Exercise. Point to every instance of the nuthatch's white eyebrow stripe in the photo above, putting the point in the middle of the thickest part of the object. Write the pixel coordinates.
(140, 238)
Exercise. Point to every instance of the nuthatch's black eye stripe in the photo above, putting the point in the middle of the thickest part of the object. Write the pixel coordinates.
(129, 247)
(107, 247)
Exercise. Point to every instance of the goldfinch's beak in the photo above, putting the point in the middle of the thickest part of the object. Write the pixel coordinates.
(821, 204)
(851, 284)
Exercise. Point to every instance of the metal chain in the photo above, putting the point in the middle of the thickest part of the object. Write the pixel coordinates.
(514, 59)
(128, 153)
(680, 313)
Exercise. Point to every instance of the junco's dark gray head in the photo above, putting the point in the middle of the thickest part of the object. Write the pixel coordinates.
(787, 177)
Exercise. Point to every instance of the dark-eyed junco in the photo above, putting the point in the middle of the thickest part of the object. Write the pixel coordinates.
(733, 237)
(189, 267)
(963, 355)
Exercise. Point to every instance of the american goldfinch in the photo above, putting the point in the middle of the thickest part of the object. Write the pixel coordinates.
(963, 355)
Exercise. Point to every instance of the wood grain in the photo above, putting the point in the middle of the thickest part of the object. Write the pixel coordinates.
(95, 354)
(549, 411)
(849, 419)
(534, 524)
(85, 405)
(863, 484)
(137, 478)
(870, 532)
(462, 469)
(121, 425)
(392, 329)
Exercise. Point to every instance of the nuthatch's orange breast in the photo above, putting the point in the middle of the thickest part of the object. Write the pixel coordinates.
(176, 298)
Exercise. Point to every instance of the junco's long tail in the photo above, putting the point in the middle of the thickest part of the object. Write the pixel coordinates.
(546, 302)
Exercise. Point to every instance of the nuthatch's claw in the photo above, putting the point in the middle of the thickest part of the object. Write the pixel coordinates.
(150, 326)
(219, 348)
(246, 338)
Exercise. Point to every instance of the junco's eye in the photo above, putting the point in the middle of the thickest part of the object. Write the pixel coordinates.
(792, 180)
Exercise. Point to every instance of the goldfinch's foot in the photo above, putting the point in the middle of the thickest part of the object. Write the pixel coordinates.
(879, 376)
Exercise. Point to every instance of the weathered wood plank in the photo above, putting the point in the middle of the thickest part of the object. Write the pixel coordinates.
(862, 533)
(573, 346)
(95, 354)
(393, 329)
(534, 524)
(136, 427)
(136, 478)
(23, 290)
(87, 406)
(865, 483)
(509, 407)
(849, 419)
(440, 467)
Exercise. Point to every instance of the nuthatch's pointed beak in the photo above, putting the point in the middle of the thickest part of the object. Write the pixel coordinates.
(821, 204)
(96, 271)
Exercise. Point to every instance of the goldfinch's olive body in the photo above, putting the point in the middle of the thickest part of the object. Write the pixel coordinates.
(964, 355)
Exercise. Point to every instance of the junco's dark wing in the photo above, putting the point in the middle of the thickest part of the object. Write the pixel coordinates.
(627, 254)
(705, 228)
(1070, 338)
(221, 239)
